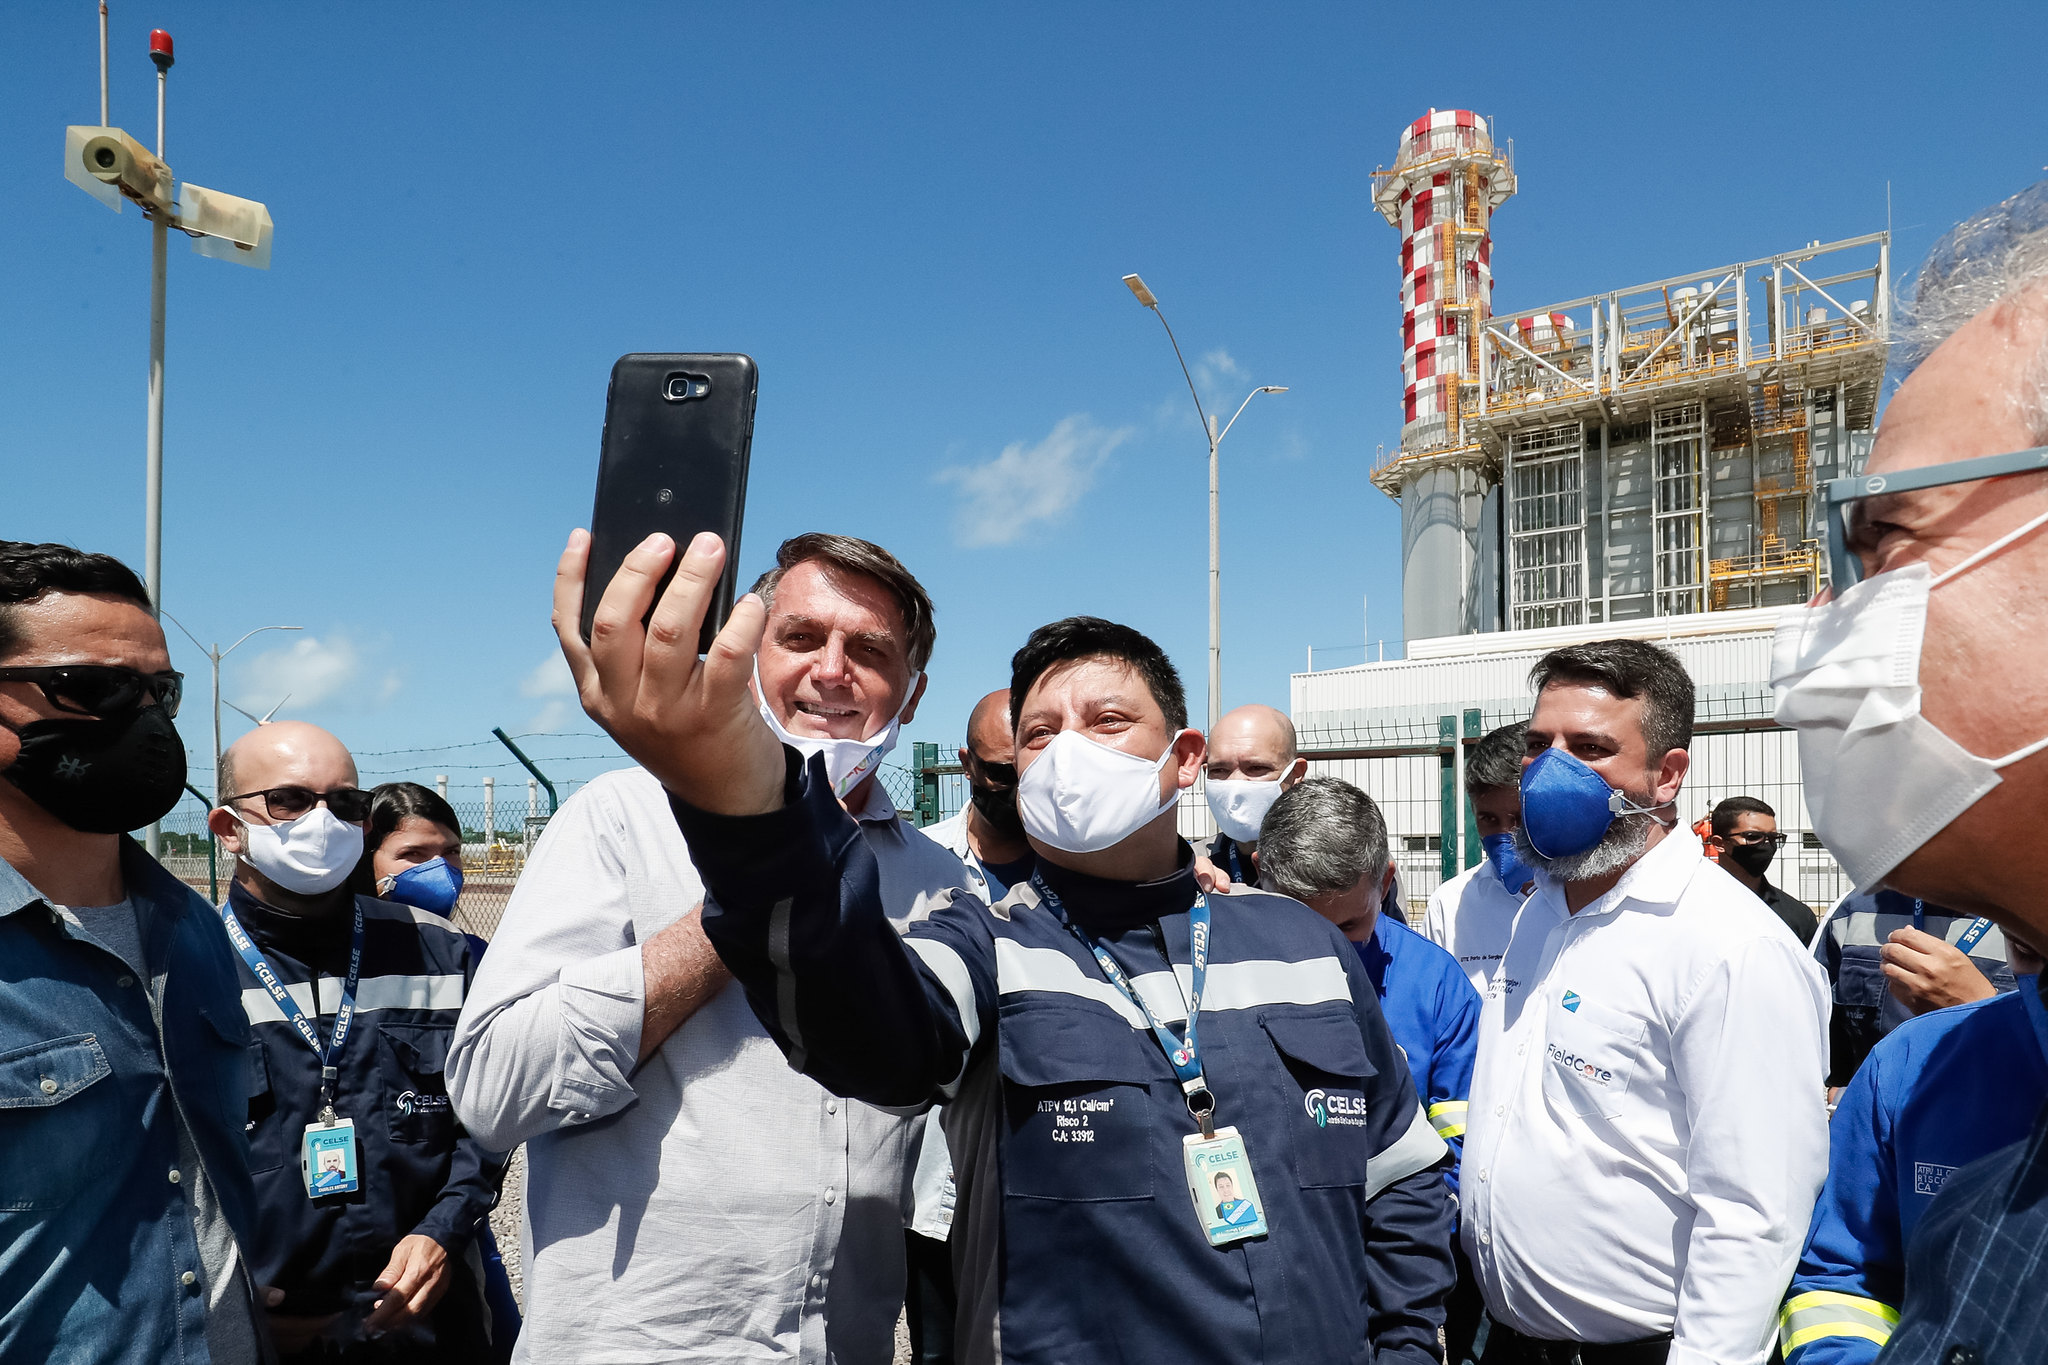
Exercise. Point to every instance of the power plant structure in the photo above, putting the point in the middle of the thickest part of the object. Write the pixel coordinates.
(1649, 451)
(1641, 461)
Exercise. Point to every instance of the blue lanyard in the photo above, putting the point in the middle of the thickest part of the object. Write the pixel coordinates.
(1183, 1054)
(344, 1015)
(1965, 941)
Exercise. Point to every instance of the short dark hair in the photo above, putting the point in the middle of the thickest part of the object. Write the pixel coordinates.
(1322, 835)
(851, 555)
(393, 802)
(1091, 637)
(29, 570)
(1725, 813)
(1496, 760)
(1629, 668)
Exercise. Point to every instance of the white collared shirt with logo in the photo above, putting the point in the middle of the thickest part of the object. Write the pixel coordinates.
(1647, 1131)
(1470, 917)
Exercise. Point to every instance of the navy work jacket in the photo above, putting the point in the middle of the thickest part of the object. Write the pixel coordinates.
(96, 1244)
(420, 1171)
(1075, 1236)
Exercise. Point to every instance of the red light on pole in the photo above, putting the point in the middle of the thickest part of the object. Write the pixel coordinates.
(160, 49)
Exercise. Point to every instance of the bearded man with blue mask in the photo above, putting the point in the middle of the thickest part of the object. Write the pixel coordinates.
(1919, 690)
(1107, 1037)
(1646, 1132)
(350, 1001)
(606, 1034)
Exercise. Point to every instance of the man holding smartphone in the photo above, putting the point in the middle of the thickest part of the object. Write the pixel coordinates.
(605, 1033)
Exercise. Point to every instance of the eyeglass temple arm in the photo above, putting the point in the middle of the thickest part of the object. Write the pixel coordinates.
(1842, 492)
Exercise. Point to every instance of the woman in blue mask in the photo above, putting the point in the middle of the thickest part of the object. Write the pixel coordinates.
(412, 852)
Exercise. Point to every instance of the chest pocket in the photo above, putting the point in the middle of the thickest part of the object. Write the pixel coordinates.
(1078, 1105)
(1326, 1058)
(269, 1147)
(1589, 1057)
(54, 1115)
(414, 1058)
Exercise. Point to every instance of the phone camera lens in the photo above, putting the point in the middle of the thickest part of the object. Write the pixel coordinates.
(678, 387)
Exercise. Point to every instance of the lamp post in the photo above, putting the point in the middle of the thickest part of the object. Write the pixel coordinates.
(1209, 429)
(214, 655)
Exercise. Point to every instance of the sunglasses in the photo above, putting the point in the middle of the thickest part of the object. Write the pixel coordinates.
(1757, 838)
(350, 804)
(1843, 495)
(100, 689)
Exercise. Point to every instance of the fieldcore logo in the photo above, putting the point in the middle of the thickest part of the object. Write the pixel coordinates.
(1578, 1066)
(1346, 1111)
(1571, 1002)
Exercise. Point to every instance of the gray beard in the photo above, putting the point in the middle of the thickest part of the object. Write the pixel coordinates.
(1626, 840)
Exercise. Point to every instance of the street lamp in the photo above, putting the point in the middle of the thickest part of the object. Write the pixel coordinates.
(1151, 301)
(214, 656)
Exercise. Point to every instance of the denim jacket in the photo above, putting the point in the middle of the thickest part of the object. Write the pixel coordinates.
(98, 1258)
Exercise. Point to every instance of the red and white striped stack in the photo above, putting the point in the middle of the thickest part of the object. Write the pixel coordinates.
(1446, 182)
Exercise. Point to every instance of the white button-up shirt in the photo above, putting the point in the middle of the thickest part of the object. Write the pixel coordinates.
(1470, 917)
(710, 1204)
(1647, 1132)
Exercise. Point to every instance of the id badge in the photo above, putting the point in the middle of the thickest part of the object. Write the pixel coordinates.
(1219, 1171)
(327, 1158)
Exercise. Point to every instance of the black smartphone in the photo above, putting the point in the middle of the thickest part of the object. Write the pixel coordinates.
(677, 432)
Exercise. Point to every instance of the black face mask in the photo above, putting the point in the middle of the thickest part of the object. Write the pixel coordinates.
(105, 776)
(1751, 858)
(998, 805)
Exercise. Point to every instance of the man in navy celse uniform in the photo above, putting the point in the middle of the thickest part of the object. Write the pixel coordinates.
(1106, 1036)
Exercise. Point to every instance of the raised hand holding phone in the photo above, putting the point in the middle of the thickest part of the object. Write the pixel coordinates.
(691, 722)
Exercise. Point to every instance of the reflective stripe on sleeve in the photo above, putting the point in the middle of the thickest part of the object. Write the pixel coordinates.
(946, 965)
(1448, 1118)
(1417, 1149)
(1810, 1317)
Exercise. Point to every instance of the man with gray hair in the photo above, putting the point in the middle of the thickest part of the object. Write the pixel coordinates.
(1471, 915)
(1647, 1133)
(1932, 786)
(1324, 843)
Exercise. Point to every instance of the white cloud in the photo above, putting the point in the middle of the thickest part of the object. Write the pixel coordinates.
(1026, 485)
(1216, 367)
(549, 678)
(551, 717)
(309, 670)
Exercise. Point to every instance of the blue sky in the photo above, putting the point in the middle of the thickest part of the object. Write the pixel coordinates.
(914, 217)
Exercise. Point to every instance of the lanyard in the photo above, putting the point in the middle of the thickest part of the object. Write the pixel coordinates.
(1965, 941)
(1185, 1055)
(344, 1015)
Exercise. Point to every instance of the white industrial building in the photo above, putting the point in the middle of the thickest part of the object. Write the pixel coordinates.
(1641, 461)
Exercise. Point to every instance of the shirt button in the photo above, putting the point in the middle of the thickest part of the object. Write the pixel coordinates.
(188, 1279)
(831, 1196)
(49, 1086)
(1482, 1175)
(1499, 1109)
(1486, 1239)
(124, 980)
(175, 1177)
(817, 1283)
(831, 1106)
(1959, 1355)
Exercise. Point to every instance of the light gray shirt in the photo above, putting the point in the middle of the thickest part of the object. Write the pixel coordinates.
(230, 1325)
(712, 1204)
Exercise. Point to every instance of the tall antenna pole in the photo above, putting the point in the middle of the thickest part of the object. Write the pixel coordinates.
(105, 117)
(159, 261)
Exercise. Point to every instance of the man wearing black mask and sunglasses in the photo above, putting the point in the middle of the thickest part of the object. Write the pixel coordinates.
(987, 834)
(368, 1192)
(1745, 839)
(125, 1198)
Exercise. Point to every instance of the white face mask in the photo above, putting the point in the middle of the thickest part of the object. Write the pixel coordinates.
(1082, 797)
(1880, 779)
(307, 856)
(848, 762)
(1240, 804)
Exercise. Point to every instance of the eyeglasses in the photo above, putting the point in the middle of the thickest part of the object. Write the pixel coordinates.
(100, 689)
(1844, 568)
(1757, 838)
(351, 804)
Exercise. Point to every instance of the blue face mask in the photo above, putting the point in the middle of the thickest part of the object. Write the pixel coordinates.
(1514, 874)
(431, 885)
(1567, 807)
